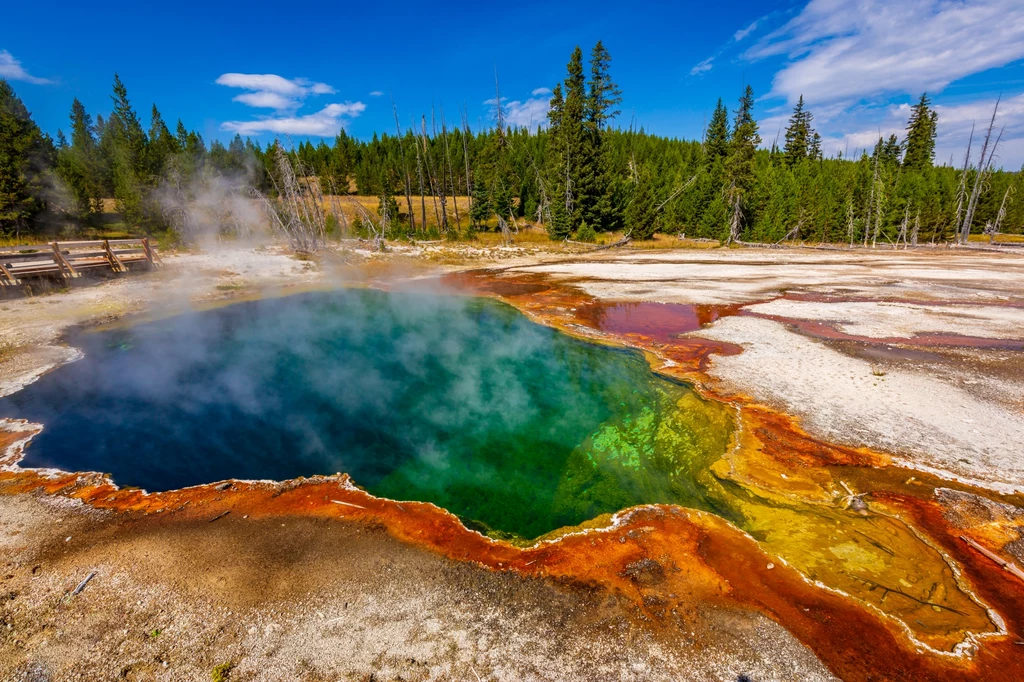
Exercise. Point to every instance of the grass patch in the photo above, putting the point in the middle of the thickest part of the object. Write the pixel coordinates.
(222, 673)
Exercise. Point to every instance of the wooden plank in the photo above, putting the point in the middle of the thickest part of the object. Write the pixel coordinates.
(98, 243)
(8, 279)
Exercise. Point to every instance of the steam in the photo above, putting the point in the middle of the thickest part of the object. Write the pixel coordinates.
(203, 205)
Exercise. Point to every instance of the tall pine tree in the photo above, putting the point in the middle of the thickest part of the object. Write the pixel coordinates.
(740, 163)
(799, 135)
(921, 130)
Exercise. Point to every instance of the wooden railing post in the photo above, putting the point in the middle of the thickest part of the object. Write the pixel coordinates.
(62, 263)
(115, 263)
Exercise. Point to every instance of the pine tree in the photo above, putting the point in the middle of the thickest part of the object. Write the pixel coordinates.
(604, 97)
(740, 163)
(80, 163)
(798, 135)
(25, 155)
(814, 148)
(162, 145)
(128, 160)
(577, 144)
(716, 141)
(641, 213)
(921, 131)
(480, 211)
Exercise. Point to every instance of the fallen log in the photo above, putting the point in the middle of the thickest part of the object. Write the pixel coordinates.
(622, 242)
(1008, 566)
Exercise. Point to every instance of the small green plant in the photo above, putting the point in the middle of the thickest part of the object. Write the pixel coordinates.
(586, 234)
(877, 371)
(153, 634)
(222, 673)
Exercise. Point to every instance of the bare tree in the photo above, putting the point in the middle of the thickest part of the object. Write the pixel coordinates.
(1002, 213)
(961, 192)
(984, 166)
(405, 169)
(298, 209)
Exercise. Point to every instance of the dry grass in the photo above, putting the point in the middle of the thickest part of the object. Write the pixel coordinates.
(1000, 238)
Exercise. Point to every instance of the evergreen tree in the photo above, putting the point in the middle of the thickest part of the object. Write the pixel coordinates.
(577, 144)
(641, 214)
(814, 149)
(716, 141)
(798, 135)
(128, 158)
(921, 131)
(25, 155)
(604, 97)
(162, 145)
(740, 163)
(480, 211)
(80, 164)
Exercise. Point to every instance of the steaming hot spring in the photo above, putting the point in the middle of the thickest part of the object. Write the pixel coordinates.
(463, 402)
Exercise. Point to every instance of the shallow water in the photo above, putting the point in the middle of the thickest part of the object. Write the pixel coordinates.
(458, 401)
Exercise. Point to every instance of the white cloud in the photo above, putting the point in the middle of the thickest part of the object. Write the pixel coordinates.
(701, 67)
(265, 100)
(12, 70)
(530, 113)
(848, 50)
(324, 123)
(376, 93)
(744, 32)
(270, 91)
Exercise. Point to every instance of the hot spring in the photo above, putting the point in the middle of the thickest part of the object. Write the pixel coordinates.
(463, 402)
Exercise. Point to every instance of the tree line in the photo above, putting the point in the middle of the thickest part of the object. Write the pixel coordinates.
(577, 176)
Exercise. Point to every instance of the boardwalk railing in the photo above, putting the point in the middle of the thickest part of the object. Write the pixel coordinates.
(68, 260)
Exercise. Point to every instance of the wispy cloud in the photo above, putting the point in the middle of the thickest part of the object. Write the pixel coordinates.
(528, 113)
(703, 66)
(324, 123)
(270, 91)
(12, 70)
(854, 49)
(744, 32)
(376, 93)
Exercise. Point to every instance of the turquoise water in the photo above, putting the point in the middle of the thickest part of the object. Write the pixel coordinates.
(458, 401)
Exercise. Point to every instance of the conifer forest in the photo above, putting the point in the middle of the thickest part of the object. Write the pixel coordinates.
(587, 170)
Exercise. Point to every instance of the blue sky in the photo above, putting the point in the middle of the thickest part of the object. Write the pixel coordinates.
(309, 69)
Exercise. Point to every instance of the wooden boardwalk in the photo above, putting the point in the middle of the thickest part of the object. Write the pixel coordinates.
(69, 260)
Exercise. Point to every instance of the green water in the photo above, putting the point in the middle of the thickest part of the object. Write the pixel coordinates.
(458, 401)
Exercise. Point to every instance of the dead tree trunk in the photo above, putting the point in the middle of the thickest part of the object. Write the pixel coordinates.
(986, 157)
(431, 180)
(405, 170)
(961, 192)
(1002, 213)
